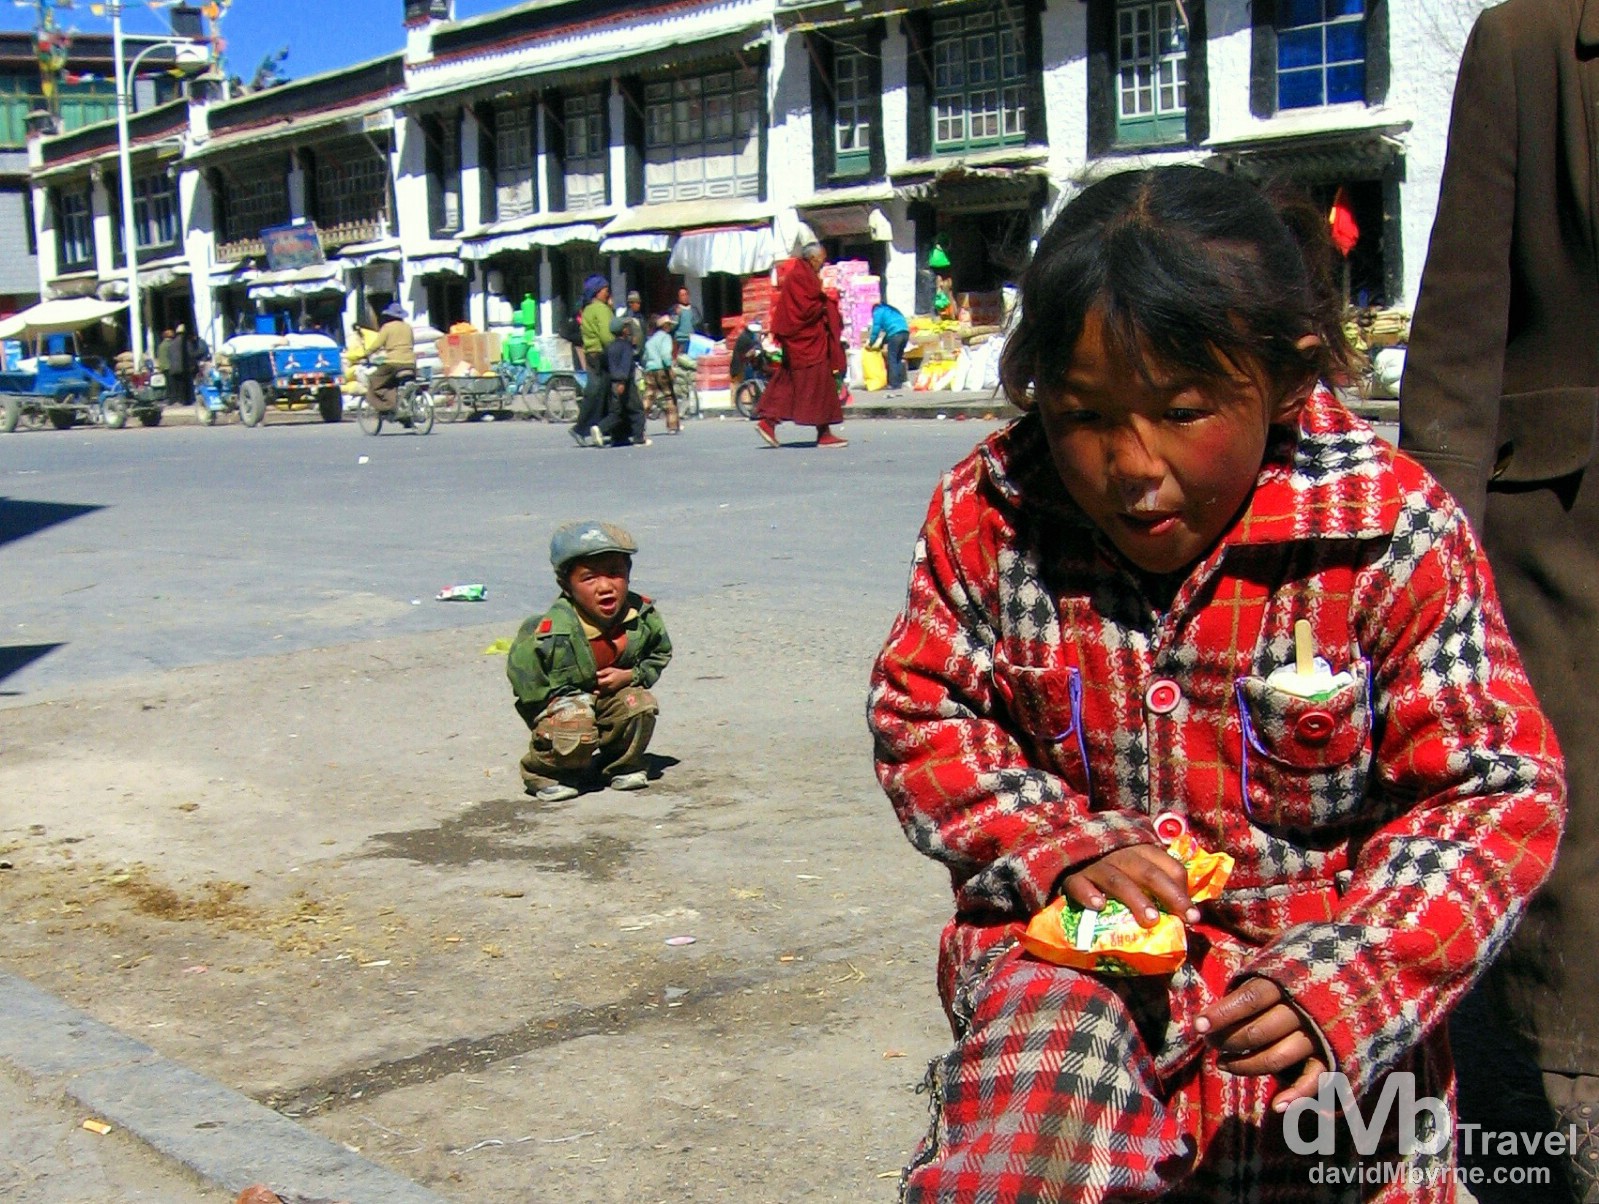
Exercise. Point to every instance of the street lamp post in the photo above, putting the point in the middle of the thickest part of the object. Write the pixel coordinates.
(124, 91)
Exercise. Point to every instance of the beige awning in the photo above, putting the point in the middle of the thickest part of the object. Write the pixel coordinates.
(58, 317)
(686, 215)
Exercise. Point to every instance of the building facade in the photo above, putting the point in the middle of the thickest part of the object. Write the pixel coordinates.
(665, 143)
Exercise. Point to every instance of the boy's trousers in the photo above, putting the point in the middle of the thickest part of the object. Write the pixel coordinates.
(577, 728)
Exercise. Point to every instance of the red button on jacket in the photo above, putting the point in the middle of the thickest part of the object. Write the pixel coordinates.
(1314, 727)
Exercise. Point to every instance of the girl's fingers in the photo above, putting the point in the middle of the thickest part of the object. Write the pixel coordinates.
(1264, 1030)
(1303, 1087)
(1274, 1059)
(1239, 1006)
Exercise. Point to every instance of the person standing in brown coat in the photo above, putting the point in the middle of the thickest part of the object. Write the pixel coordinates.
(1500, 400)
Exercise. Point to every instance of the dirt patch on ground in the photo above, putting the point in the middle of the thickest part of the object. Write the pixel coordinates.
(365, 925)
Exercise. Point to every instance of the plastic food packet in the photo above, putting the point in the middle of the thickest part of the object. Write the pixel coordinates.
(462, 593)
(1111, 941)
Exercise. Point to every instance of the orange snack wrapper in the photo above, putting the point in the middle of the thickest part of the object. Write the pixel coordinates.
(1111, 941)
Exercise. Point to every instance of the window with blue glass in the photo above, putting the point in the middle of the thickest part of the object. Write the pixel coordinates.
(1321, 52)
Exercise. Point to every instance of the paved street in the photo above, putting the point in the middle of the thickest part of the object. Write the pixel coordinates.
(208, 545)
(264, 816)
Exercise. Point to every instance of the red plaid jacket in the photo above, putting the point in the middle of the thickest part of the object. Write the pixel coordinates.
(1033, 710)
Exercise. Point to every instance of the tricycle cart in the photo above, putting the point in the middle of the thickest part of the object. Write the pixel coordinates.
(469, 397)
(58, 385)
(515, 389)
(285, 378)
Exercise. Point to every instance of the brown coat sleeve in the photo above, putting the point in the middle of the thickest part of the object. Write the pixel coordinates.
(1502, 375)
(1454, 367)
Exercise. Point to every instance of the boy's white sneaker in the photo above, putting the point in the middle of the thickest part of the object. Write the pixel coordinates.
(630, 781)
(555, 792)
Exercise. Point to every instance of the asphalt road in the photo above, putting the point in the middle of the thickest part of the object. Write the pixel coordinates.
(153, 549)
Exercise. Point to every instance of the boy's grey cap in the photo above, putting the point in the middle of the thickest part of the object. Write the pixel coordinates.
(573, 541)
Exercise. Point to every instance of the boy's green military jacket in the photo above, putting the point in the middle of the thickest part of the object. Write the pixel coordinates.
(550, 655)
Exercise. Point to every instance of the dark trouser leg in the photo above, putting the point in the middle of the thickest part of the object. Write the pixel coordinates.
(1500, 1090)
(562, 746)
(633, 412)
(894, 354)
(596, 395)
(626, 722)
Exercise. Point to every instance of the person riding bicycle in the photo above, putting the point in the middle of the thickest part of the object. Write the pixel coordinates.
(749, 353)
(393, 356)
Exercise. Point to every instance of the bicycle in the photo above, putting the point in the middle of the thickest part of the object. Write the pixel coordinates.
(747, 396)
(413, 408)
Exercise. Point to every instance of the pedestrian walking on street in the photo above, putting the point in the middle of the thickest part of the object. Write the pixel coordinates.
(804, 386)
(658, 355)
(686, 321)
(1500, 392)
(623, 423)
(595, 325)
(582, 670)
(1190, 599)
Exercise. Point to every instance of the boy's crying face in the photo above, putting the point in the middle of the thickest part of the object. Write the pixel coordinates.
(1162, 466)
(597, 585)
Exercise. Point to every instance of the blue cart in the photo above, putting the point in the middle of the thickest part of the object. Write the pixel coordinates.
(65, 387)
(286, 378)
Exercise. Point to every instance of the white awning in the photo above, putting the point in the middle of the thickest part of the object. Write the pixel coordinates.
(527, 240)
(291, 283)
(436, 265)
(58, 317)
(358, 255)
(654, 243)
(736, 252)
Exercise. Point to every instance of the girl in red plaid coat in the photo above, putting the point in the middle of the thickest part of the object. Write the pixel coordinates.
(1098, 601)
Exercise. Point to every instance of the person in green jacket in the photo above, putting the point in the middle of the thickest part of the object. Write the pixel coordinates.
(591, 427)
(582, 670)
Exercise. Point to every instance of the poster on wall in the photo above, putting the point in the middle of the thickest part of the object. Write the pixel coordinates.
(297, 246)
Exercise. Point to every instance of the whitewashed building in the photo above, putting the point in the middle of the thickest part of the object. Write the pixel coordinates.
(695, 142)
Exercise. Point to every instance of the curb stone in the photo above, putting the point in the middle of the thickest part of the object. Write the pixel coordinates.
(219, 1134)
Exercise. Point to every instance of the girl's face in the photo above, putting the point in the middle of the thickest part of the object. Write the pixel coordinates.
(598, 585)
(1162, 469)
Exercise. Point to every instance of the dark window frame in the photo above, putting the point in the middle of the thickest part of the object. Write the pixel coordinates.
(1263, 56)
(825, 51)
(1105, 130)
(59, 197)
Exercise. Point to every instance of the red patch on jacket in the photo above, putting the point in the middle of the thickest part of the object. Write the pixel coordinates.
(546, 627)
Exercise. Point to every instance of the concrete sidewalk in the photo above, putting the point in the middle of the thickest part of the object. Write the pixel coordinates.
(213, 1141)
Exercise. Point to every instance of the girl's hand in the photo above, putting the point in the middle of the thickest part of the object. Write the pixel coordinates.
(1140, 876)
(1257, 1031)
(612, 679)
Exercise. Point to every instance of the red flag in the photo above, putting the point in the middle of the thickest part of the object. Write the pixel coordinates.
(1341, 221)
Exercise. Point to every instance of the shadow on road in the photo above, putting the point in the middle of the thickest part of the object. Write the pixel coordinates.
(19, 519)
(20, 656)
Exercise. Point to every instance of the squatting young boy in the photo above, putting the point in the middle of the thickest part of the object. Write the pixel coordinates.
(582, 670)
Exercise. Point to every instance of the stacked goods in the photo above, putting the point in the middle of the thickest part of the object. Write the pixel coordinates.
(712, 371)
(757, 298)
(473, 353)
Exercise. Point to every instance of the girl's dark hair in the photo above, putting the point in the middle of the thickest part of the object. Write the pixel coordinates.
(1189, 269)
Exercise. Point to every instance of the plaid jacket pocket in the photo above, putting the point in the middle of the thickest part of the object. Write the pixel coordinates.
(1305, 761)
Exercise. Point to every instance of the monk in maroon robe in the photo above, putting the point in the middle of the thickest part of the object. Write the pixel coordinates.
(806, 323)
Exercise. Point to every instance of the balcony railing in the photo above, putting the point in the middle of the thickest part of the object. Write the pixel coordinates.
(240, 248)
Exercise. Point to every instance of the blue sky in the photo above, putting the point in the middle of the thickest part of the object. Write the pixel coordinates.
(320, 35)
